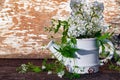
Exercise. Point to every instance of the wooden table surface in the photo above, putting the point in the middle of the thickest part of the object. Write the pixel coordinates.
(8, 72)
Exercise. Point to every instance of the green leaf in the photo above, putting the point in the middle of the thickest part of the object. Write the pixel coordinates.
(98, 34)
(67, 50)
(116, 56)
(65, 24)
(72, 76)
(105, 36)
(37, 69)
(102, 44)
(64, 39)
(58, 26)
(73, 40)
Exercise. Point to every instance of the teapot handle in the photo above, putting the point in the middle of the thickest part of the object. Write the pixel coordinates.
(109, 47)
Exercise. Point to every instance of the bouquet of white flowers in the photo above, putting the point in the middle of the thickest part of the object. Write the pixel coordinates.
(86, 20)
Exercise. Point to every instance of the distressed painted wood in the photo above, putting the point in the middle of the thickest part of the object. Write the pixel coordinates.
(22, 24)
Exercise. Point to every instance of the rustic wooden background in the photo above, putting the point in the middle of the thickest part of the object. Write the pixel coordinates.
(22, 24)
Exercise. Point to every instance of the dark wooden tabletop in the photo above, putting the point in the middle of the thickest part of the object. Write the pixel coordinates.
(8, 72)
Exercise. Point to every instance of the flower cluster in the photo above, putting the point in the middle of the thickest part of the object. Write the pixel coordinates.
(23, 68)
(86, 20)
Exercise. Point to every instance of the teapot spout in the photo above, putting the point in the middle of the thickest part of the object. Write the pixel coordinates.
(68, 62)
(53, 47)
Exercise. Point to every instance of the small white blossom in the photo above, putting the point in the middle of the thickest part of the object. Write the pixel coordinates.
(49, 72)
(43, 67)
(60, 74)
(52, 56)
(118, 63)
(24, 68)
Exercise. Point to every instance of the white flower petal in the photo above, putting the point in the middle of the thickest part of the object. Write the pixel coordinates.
(49, 72)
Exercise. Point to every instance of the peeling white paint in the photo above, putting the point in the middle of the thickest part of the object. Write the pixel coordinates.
(12, 41)
(38, 0)
(31, 35)
(43, 36)
(18, 36)
(37, 8)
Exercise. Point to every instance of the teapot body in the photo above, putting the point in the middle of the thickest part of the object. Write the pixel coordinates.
(87, 57)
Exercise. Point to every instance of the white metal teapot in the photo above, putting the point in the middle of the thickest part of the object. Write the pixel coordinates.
(87, 59)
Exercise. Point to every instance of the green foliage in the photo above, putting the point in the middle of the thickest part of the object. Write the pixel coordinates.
(36, 69)
(114, 67)
(54, 66)
(48, 66)
(97, 34)
(29, 67)
(101, 39)
(73, 40)
(116, 57)
(58, 25)
(104, 36)
(57, 67)
(104, 54)
(72, 76)
(67, 50)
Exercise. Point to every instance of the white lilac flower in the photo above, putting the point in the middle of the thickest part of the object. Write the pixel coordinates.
(105, 28)
(43, 67)
(86, 17)
(23, 65)
(98, 4)
(24, 68)
(52, 56)
(118, 63)
(73, 2)
(49, 72)
(60, 74)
